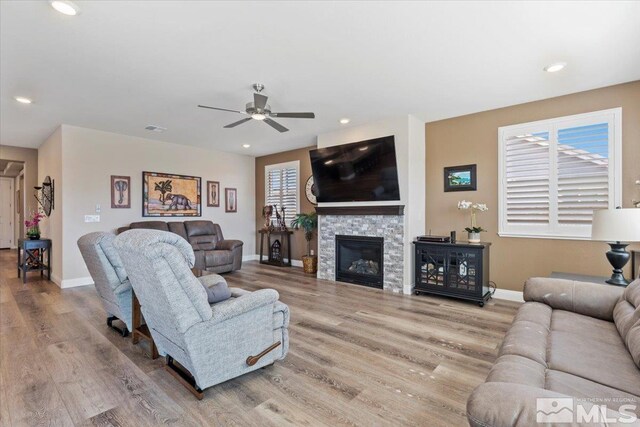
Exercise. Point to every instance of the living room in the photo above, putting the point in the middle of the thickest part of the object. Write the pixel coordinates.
(177, 212)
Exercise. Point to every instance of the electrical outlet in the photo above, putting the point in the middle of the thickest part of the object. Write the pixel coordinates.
(92, 218)
(98, 208)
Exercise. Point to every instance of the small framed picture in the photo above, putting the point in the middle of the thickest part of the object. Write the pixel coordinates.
(213, 194)
(230, 200)
(460, 178)
(120, 192)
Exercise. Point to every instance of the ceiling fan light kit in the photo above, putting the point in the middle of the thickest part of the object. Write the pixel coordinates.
(261, 111)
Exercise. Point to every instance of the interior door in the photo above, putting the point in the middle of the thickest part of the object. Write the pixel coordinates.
(6, 212)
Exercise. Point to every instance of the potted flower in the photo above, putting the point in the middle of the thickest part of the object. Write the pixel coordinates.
(33, 225)
(308, 222)
(473, 231)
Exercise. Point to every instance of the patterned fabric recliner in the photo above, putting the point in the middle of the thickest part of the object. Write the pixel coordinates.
(109, 276)
(213, 342)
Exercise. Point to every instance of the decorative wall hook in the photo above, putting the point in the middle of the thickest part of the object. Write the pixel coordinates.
(44, 195)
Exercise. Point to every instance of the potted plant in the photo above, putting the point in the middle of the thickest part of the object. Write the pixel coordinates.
(308, 222)
(33, 225)
(473, 231)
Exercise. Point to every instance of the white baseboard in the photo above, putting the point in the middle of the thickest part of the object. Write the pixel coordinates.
(509, 295)
(72, 283)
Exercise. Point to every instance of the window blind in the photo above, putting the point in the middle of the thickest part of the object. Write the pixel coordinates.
(555, 173)
(282, 189)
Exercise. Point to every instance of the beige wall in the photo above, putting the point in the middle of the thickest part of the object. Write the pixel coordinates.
(89, 158)
(30, 158)
(50, 164)
(474, 139)
(298, 243)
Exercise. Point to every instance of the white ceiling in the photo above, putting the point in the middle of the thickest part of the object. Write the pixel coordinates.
(119, 66)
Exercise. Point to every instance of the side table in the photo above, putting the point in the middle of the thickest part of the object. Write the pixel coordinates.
(31, 257)
(271, 260)
(141, 330)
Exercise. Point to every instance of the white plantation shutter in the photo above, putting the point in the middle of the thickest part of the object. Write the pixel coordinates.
(281, 188)
(555, 173)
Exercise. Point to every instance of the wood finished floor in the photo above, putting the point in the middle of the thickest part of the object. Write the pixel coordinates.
(358, 357)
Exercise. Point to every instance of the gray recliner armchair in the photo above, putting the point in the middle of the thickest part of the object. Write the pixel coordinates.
(109, 276)
(214, 343)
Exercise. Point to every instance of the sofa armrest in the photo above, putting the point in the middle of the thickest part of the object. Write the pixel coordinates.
(228, 245)
(243, 304)
(515, 405)
(589, 299)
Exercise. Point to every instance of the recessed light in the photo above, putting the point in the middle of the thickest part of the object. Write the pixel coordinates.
(555, 67)
(23, 100)
(345, 121)
(246, 145)
(65, 7)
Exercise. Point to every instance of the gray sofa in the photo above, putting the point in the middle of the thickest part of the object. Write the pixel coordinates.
(214, 343)
(569, 340)
(213, 252)
(109, 276)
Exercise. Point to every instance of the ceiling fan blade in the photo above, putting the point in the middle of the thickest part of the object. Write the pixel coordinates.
(295, 115)
(222, 109)
(239, 122)
(259, 101)
(277, 126)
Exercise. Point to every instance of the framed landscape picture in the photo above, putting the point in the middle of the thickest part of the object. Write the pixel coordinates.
(170, 195)
(460, 178)
(120, 192)
(230, 200)
(213, 194)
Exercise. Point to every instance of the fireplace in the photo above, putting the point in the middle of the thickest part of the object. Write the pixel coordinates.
(359, 260)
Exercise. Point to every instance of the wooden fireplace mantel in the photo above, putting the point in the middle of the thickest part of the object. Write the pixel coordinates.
(361, 210)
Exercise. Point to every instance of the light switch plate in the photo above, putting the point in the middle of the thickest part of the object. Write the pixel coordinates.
(92, 218)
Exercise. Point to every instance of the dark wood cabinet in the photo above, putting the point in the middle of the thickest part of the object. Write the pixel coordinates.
(459, 270)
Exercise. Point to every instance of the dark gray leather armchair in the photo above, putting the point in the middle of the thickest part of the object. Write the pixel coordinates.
(213, 253)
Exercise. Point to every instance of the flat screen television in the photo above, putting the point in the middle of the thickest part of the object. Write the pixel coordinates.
(362, 171)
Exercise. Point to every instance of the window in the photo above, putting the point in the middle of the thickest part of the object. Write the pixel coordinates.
(281, 188)
(554, 173)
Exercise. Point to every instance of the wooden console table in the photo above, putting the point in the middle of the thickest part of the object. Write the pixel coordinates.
(285, 235)
(31, 257)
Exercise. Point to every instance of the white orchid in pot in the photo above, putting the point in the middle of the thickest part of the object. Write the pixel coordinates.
(473, 231)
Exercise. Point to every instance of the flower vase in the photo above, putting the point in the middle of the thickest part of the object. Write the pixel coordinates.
(474, 237)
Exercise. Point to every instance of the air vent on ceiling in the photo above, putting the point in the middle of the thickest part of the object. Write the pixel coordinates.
(154, 128)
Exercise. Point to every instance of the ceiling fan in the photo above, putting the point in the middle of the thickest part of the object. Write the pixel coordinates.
(260, 110)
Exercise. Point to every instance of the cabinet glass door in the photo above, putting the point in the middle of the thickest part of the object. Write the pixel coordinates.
(433, 267)
(463, 271)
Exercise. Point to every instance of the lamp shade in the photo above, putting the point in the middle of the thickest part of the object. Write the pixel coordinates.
(616, 225)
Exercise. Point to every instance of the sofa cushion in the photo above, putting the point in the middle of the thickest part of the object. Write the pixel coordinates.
(217, 258)
(596, 359)
(585, 327)
(582, 388)
(178, 228)
(202, 234)
(626, 316)
(150, 225)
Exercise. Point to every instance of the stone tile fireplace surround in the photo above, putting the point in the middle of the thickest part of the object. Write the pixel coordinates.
(389, 227)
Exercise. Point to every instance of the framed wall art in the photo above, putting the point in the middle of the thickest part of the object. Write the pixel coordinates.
(170, 195)
(120, 192)
(460, 178)
(213, 194)
(230, 200)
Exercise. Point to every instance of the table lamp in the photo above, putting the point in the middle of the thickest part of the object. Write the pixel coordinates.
(616, 226)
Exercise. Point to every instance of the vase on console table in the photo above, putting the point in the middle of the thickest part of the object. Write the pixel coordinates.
(473, 237)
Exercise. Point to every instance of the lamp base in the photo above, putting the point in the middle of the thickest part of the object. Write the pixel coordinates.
(618, 258)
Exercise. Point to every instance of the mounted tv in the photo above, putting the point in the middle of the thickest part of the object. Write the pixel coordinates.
(362, 171)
